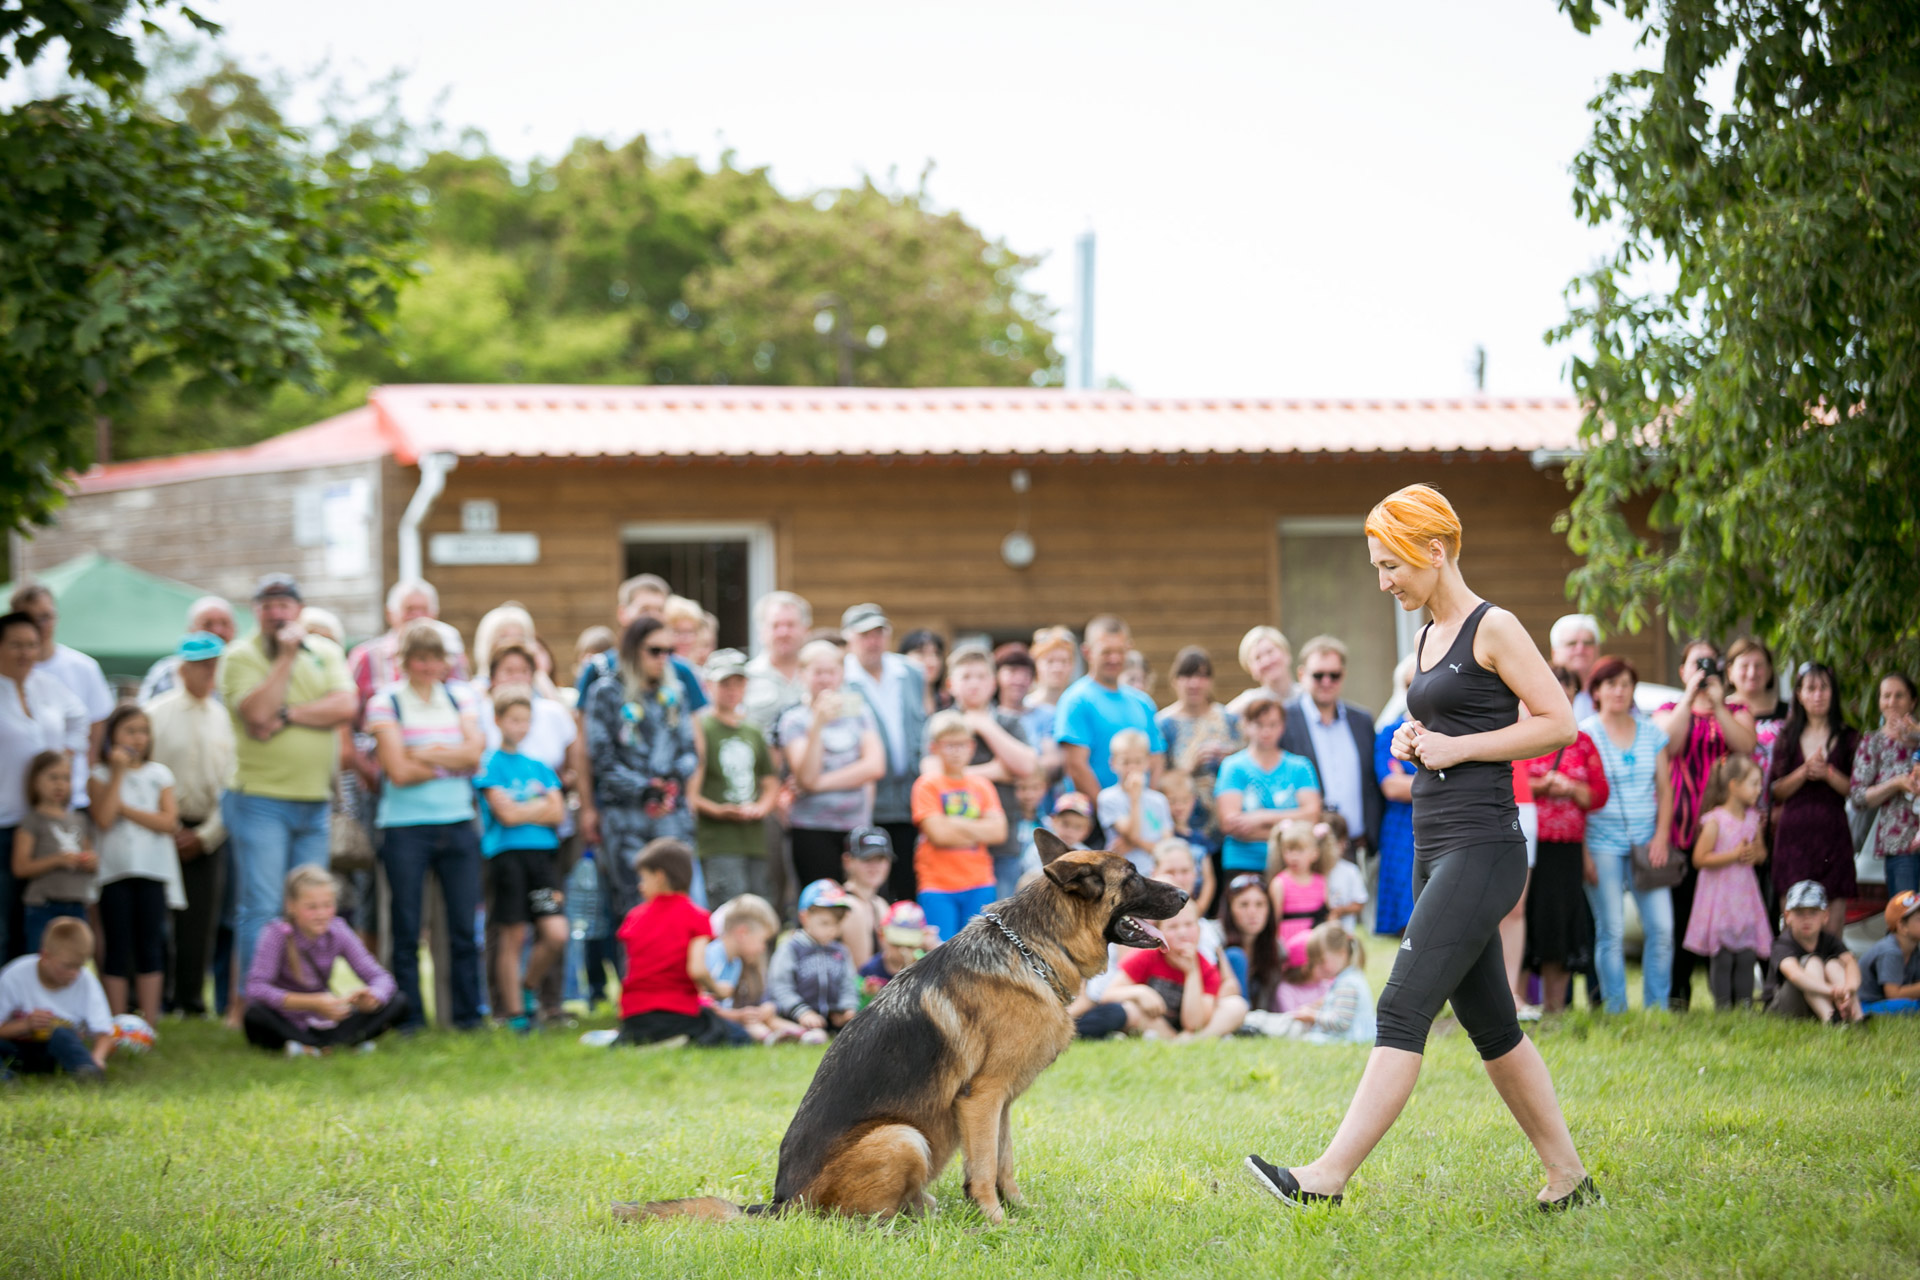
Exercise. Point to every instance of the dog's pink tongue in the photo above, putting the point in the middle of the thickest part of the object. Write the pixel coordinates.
(1159, 938)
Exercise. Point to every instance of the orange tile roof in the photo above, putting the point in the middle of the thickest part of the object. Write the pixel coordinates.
(508, 421)
(787, 422)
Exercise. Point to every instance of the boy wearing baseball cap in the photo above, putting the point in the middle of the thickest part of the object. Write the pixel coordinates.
(812, 980)
(903, 939)
(1810, 973)
(1890, 970)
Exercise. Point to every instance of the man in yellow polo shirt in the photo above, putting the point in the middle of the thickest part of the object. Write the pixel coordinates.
(288, 693)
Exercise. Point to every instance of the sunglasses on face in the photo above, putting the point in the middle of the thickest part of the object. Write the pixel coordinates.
(1244, 881)
(1326, 677)
(655, 651)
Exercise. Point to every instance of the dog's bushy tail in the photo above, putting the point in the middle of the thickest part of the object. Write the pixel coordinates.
(706, 1208)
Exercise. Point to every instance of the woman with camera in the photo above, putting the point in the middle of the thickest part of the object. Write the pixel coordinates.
(1704, 729)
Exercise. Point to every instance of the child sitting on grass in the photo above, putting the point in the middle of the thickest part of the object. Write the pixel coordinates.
(960, 819)
(1729, 920)
(812, 980)
(903, 939)
(1177, 786)
(1890, 970)
(522, 807)
(1253, 950)
(865, 867)
(1344, 1015)
(138, 882)
(666, 939)
(1810, 973)
(1346, 886)
(1174, 863)
(744, 929)
(51, 1007)
(290, 999)
(52, 850)
(1134, 815)
(1178, 989)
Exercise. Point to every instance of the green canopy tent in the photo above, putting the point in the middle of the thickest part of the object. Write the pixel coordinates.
(122, 617)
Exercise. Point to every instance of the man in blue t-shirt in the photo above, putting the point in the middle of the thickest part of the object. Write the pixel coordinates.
(1097, 706)
(521, 807)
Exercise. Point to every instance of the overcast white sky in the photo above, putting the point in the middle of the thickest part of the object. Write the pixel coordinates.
(1290, 198)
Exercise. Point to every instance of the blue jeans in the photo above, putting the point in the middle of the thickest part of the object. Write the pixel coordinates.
(1879, 1007)
(1237, 961)
(451, 850)
(268, 838)
(10, 891)
(1903, 873)
(64, 1050)
(1609, 926)
(949, 912)
(42, 914)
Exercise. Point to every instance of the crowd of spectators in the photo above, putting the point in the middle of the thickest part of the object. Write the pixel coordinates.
(270, 805)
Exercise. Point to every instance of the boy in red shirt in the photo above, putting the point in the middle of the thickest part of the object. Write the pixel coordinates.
(666, 938)
(959, 817)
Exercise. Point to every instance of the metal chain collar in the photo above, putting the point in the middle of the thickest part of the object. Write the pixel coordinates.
(1041, 968)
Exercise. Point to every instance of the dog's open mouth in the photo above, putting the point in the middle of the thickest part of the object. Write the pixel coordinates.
(1130, 931)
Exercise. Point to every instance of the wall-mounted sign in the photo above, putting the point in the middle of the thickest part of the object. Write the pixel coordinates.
(480, 515)
(484, 548)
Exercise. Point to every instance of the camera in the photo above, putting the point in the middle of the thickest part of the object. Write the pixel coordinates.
(1711, 667)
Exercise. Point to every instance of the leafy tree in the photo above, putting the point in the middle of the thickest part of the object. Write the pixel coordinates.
(135, 249)
(1765, 403)
(864, 287)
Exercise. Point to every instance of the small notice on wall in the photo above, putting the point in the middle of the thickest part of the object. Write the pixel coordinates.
(484, 548)
(346, 528)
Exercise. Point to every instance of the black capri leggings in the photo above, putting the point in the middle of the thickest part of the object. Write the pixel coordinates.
(133, 916)
(1451, 951)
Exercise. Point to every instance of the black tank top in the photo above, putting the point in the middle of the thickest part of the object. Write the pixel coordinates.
(1473, 803)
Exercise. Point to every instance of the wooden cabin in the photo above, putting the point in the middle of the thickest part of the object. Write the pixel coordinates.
(971, 511)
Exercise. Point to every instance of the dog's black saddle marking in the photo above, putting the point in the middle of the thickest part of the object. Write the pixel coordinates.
(1041, 968)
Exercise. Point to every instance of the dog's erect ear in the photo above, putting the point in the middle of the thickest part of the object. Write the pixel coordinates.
(1078, 879)
(1050, 845)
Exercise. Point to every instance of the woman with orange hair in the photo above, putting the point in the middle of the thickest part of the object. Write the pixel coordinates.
(1474, 666)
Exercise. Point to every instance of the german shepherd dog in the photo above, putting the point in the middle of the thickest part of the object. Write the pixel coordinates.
(935, 1062)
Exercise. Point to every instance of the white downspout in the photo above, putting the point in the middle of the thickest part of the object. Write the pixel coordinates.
(433, 479)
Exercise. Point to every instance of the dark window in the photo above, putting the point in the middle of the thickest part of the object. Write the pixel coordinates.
(713, 573)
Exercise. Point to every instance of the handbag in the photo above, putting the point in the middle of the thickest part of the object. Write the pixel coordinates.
(1647, 877)
(1861, 821)
(349, 847)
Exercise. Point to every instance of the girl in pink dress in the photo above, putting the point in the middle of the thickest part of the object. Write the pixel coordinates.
(1298, 887)
(1729, 922)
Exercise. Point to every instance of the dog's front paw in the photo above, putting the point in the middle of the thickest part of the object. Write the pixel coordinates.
(989, 1205)
(1010, 1194)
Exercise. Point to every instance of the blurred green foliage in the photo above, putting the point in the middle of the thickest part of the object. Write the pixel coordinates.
(137, 250)
(1765, 405)
(616, 264)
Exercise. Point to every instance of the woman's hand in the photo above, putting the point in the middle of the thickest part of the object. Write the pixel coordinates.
(1658, 852)
(1404, 739)
(1588, 871)
(1816, 766)
(1438, 751)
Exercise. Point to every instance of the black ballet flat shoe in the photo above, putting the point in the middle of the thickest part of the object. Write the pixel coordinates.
(1584, 1194)
(1284, 1186)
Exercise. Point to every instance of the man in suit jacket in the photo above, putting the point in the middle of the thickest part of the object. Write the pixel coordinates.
(1338, 737)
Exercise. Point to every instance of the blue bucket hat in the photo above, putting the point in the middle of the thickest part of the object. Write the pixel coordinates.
(199, 645)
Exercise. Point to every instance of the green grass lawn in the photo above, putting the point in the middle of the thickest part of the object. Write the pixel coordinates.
(1726, 1145)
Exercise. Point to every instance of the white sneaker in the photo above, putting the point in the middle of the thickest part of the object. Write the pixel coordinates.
(1527, 1012)
(813, 1035)
(297, 1050)
(365, 1046)
(599, 1039)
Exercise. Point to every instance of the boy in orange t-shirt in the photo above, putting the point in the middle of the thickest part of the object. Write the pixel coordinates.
(959, 818)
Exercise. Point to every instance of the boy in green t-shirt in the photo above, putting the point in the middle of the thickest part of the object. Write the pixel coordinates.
(733, 787)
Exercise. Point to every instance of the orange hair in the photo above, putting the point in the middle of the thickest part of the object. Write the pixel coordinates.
(1408, 519)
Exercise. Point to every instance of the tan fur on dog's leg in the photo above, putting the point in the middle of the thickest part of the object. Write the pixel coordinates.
(1009, 1189)
(980, 1115)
